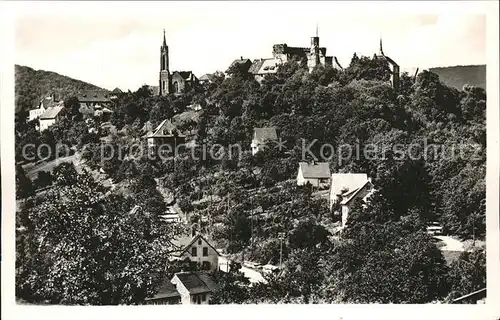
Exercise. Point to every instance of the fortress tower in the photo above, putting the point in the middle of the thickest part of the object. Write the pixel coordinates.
(392, 64)
(164, 69)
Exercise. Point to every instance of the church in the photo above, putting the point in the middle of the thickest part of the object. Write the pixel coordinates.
(176, 82)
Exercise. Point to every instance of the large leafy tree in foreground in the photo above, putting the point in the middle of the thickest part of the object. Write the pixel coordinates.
(80, 245)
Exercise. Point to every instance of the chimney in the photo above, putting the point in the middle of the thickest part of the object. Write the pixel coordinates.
(241, 58)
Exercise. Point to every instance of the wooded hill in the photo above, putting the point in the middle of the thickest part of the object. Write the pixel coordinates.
(458, 76)
(31, 85)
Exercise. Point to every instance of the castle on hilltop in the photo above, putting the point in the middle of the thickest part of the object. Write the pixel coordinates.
(315, 54)
(176, 82)
(282, 53)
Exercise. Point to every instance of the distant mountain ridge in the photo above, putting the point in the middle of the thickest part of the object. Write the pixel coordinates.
(31, 85)
(458, 76)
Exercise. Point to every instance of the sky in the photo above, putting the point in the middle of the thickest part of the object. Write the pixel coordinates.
(114, 44)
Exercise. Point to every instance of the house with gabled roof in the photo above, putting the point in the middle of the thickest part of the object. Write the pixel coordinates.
(49, 117)
(165, 134)
(166, 294)
(44, 104)
(315, 173)
(194, 287)
(197, 249)
(182, 81)
(345, 189)
(207, 78)
(262, 137)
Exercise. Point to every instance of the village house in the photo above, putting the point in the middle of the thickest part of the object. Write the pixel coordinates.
(244, 65)
(198, 250)
(316, 173)
(49, 117)
(345, 189)
(43, 105)
(194, 287)
(94, 100)
(166, 294)
(262, 137)
(165, 134)
(206, 78)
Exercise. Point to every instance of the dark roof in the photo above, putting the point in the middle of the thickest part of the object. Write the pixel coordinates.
(315, 170)
(186, 75)
(51, 113)
(240, 61)
(166, 290)
(94, 96)
(116, 90)
(197, 282)
(261, 135)
(165, 129)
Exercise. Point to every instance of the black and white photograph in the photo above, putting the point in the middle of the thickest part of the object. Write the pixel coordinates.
(248, 153)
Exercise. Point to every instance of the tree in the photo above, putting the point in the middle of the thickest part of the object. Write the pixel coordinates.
(43, 180)
(24, 187)
(468, 273)
(232, 287)
(85, 247)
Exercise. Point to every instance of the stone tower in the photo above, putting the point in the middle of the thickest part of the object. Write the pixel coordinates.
(164, 70)
(313, 59)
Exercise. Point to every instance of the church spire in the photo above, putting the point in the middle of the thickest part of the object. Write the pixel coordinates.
(381, 50)
(317, 34)
(164, 39)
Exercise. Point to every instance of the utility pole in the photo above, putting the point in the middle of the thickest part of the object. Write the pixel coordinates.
(281, 236)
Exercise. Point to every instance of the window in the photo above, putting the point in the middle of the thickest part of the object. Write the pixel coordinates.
(205, 252)
(176, 87)
(205, 265)
(194, 251)
(204, 297)
(199, 242)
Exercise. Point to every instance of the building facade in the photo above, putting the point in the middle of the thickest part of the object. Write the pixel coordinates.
(316, 174)
(49, 117)
(176, 82)
(345, 188)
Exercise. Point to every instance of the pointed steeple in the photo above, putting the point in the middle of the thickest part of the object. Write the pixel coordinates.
(317, 34)
(381, 50)
(164, 39)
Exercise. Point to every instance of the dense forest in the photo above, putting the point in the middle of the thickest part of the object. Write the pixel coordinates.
(31, 85)
(383, 255)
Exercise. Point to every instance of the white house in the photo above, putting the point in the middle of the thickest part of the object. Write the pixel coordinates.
(194, 287)
(345, 188)
(196, 249)
(165, 134)
(49, 117)
(315, 173)
(185, 288)
(44, 105)
(262, 137)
